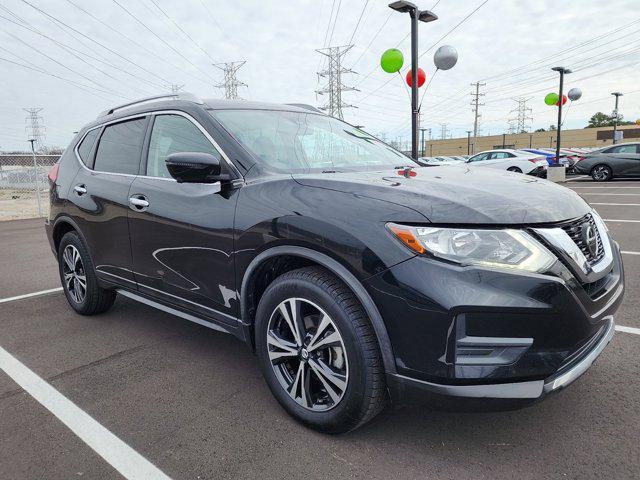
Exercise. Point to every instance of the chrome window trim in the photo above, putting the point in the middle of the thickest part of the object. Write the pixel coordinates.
(214, 144)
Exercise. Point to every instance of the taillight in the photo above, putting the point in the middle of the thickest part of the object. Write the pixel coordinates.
(536, 159)
(53, 173)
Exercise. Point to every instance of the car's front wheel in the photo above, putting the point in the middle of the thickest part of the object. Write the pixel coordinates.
(601, 173)
(318, 351)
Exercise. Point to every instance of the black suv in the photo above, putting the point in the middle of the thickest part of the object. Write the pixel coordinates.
(355, 275)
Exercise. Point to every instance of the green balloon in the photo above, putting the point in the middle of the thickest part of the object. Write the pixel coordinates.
(551, 99)
(392, 60)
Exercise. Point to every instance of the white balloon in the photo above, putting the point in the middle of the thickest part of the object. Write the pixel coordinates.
(445, 57)
(574, 94)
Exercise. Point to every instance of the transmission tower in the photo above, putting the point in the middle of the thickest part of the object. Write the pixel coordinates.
(231, 83)
(175, 88)
(35, 128)
(520, 122)
(476, 111)
(334, 86)
(444, 131)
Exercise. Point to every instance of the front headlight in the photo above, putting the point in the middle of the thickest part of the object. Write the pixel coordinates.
(508, 248)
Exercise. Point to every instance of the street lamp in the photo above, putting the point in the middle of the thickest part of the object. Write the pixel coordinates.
(417, 15)
(562, 71)
(468, 142)
(615, 116)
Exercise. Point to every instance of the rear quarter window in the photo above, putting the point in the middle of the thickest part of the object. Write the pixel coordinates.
(86, 146)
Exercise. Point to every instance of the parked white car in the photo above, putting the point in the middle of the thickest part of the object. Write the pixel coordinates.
(512, 160)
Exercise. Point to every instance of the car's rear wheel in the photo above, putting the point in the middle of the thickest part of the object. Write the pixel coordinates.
(78, 278)
(601, 173)
(514, 169)
(318, 351)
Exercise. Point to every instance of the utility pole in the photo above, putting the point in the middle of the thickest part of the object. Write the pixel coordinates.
(230, 83)
(35, 175)
(476, 110)
(504, 140)
(334, 86)
(616, 116)
(468, 142)
(521, 118)
(35, 126)
(530, 140)
(422, 130)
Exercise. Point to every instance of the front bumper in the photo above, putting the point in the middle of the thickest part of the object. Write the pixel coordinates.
(400, 385)
(480, 333)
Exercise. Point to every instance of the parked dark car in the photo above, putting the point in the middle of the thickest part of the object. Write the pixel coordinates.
(355, 277)
(622, 160)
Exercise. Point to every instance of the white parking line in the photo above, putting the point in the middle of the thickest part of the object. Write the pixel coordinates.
(635, 331)
(620, 220)
(29, 295)
(603, 188)
(611, 194)
(118, 454)
(630, 253)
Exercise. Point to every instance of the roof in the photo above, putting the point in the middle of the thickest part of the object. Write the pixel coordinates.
(223, 104)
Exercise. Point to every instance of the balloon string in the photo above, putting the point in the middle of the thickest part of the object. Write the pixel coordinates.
(566, 113)
(405, 85)
(426, 88)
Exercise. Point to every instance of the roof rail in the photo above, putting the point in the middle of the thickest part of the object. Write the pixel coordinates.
(189, 97)
(305, 106)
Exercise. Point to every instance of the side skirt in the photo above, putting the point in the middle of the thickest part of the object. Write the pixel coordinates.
(179, 313)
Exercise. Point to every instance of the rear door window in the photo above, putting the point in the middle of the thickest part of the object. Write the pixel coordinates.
(120, 147)
(86, 145)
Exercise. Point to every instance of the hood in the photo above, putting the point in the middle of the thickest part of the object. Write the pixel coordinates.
(461, 194)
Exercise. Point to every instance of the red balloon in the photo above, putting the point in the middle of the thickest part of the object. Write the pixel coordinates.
(422, 77)
(564, 100)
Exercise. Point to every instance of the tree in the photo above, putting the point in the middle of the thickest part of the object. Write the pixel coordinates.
(552, 128)
(541, 130)
(600, 119)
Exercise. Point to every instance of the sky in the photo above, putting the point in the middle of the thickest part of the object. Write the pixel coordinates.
(74, 64)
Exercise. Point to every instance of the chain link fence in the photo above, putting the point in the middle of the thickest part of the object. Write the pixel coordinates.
(23, 185)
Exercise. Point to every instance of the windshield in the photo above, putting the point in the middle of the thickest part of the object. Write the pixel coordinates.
(296, 142)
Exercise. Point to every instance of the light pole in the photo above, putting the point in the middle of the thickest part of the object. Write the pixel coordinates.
(417, 15)
(562, 71)
(615, 116)
(468, 142)
(422, 130)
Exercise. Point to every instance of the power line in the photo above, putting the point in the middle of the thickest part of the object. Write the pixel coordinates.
(358, 24)
(182, 30)
(161, 39)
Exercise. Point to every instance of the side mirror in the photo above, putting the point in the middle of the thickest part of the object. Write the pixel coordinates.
(195, 167)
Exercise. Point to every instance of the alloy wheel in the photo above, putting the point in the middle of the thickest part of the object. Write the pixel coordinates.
(307, 354)
(600, 173)
(75, 278)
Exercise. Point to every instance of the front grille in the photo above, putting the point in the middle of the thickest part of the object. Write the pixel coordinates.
(574, 230)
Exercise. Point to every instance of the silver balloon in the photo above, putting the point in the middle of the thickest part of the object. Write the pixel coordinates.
(445, 57)
(574, 94)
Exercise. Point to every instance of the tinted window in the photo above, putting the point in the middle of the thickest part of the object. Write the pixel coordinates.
(622, 149)
(479, 157)
(171, 134)
(119, 147)
(498, 155)
(84, 149)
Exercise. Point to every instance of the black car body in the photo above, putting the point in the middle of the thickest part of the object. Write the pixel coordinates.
(207, 252)
(622, 160)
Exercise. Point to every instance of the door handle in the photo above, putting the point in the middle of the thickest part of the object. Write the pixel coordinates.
(80, 189)
(138, 203)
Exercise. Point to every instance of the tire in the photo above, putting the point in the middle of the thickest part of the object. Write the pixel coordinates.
(514, 169)
(601, 173)
(76, 267)
(353, 356)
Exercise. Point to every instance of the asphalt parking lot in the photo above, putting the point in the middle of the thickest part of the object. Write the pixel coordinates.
(192, 402)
